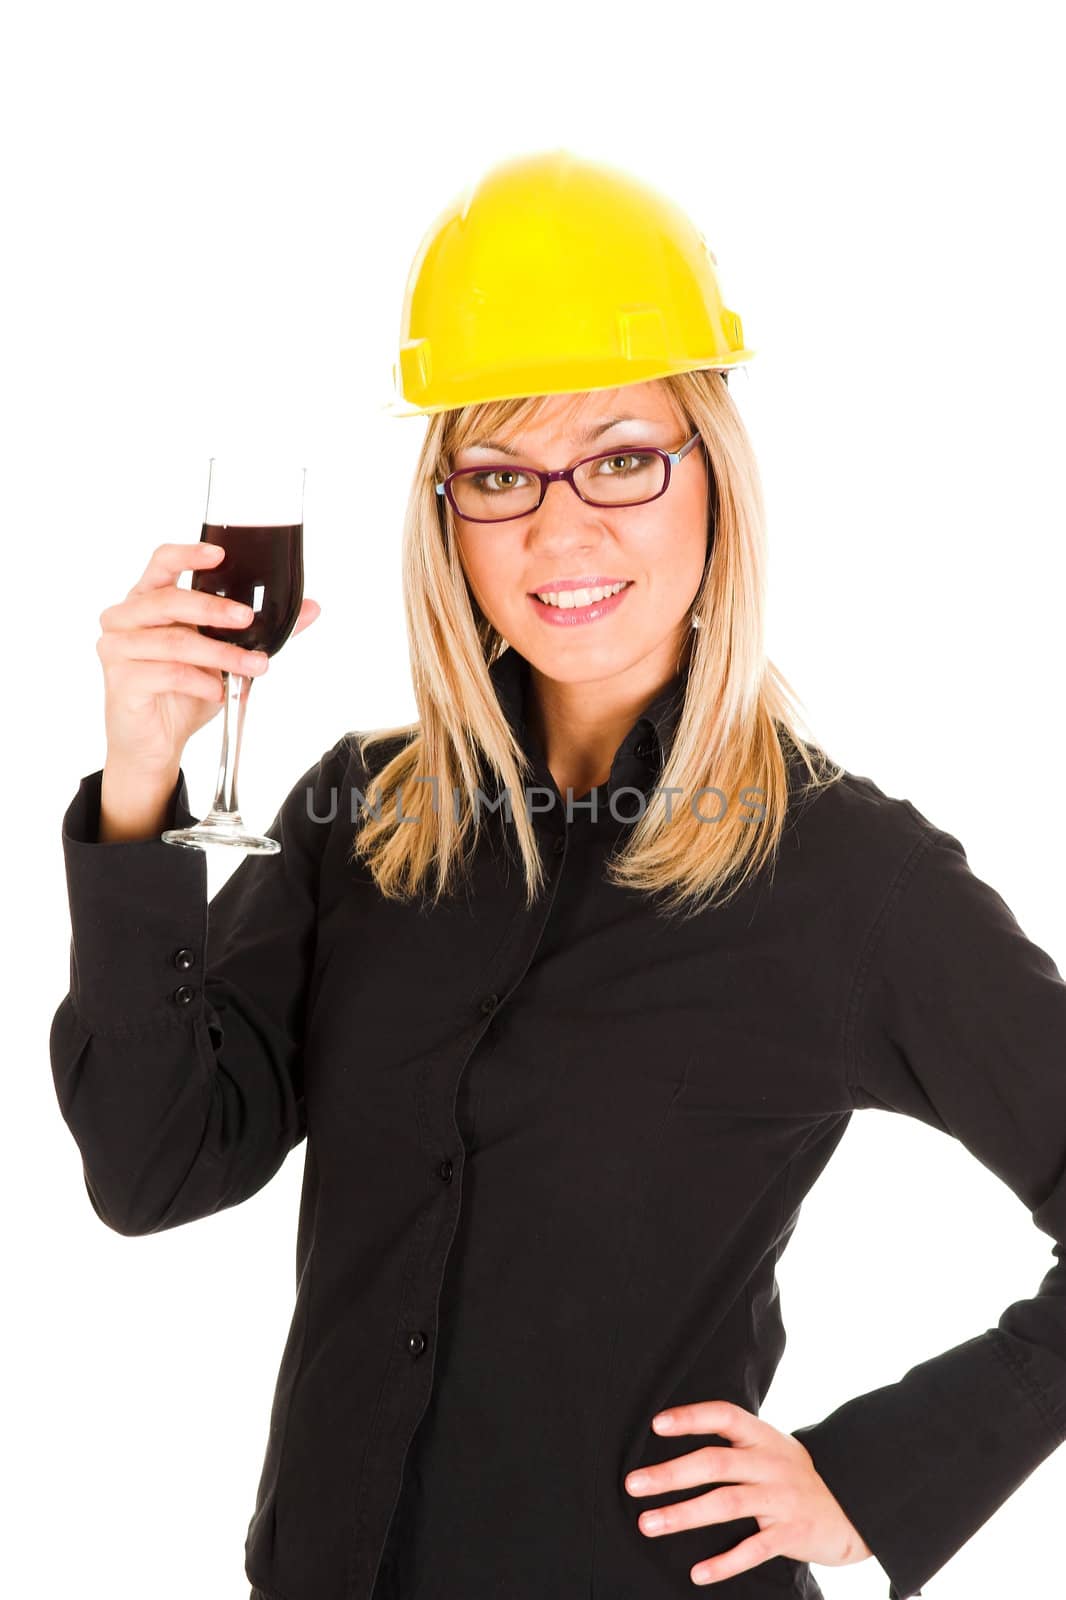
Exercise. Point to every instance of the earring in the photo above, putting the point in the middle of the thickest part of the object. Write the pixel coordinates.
(696, 619)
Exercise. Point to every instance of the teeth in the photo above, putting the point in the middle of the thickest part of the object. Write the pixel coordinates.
(578, 597)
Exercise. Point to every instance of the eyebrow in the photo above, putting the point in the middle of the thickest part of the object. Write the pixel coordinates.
(582, 438)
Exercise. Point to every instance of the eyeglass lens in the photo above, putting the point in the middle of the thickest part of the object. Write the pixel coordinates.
(618, 478)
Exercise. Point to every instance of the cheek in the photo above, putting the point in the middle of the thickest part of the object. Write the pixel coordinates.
(694, 540)
(489, 573)
(677, 552)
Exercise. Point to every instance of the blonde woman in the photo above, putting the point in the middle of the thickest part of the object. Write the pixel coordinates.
(571, 987)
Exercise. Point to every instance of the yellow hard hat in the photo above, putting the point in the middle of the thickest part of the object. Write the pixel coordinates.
(553, 274)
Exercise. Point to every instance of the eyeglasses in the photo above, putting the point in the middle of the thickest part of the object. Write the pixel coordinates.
(477, 494)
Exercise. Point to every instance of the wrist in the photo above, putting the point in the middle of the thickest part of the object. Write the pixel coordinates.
(134, 803)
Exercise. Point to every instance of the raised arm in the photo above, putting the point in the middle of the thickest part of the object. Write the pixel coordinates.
(177, 1052)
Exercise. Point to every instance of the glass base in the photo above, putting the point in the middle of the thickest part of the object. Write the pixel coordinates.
(222, 828)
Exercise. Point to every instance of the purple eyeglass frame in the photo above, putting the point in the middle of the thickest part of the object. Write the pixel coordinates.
(566, 474)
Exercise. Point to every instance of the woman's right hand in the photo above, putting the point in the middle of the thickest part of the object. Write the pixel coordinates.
(162, 677)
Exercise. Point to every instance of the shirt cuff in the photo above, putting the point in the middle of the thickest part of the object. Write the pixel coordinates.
(138, 913)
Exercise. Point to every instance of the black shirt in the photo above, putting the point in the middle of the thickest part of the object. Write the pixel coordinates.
(552, 1158)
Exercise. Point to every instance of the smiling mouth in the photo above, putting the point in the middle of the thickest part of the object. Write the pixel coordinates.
(576, 599)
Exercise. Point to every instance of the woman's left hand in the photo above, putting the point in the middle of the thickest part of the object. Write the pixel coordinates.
(768, 1475)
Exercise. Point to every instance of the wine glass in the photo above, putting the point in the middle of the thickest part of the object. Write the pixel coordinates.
(255, 510)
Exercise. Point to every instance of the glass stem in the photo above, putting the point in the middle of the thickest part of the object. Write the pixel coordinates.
(237, 690)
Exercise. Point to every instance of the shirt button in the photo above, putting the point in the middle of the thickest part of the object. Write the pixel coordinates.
(184, 994)
(445, 1171)
(184, 959)
(559, 846)
(645, 750)
(489, 1004)
(416, 1343)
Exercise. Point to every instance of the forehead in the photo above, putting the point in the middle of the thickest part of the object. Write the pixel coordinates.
(581, 417)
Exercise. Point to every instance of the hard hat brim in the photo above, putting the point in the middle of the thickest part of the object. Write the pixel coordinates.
(399, 406)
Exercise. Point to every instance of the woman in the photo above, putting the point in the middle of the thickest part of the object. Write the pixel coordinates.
(572, 987)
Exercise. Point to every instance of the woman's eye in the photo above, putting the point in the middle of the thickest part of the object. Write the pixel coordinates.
(640, 458)
(479, 479)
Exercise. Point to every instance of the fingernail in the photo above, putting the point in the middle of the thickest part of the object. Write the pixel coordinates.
(664, 1422)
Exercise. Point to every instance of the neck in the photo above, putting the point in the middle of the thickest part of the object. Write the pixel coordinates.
(579, 726)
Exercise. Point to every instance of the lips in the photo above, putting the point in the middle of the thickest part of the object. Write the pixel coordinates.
(578, 616)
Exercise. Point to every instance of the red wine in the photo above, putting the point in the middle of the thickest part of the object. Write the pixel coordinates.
(263, 567)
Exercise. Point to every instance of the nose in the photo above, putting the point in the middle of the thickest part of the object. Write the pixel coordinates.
(564, 519)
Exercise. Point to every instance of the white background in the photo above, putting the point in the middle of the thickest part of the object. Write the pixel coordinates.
(210, 212)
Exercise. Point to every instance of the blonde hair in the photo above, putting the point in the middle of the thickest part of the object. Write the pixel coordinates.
(738, 726)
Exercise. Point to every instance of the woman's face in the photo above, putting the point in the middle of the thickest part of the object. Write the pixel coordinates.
(659, 548)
